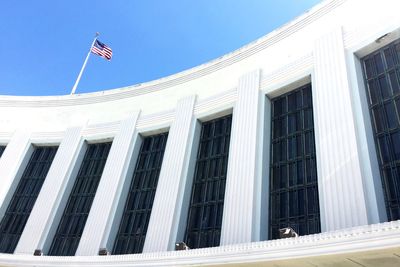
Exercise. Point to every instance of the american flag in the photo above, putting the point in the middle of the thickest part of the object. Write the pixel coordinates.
(102, 50)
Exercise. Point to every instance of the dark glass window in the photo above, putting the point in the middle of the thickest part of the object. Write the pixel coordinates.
(2, 148)
(207, 199)
(293, 184)
(382, 76)
(20, 207)
(135, 219)
(80, 200)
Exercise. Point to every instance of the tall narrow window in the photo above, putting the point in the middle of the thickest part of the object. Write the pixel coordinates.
(293, 184)
(207, 199)
(24, 198)
(382, 78)
(2, 148)
(135, 219)
(80, 200)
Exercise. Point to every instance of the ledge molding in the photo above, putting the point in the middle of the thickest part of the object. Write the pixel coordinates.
(351, 240)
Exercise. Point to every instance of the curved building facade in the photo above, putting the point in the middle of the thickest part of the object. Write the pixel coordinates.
(212, 166)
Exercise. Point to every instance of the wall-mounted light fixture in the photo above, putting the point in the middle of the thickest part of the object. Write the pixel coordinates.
(382, 38)
(38, 252)
(287, 232)
(181, 246)
(104, 252)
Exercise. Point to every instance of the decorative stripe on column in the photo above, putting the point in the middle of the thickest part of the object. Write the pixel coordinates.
(164, 219)
(48, 201)
(105, 203)
(240, 208)
(339, 176)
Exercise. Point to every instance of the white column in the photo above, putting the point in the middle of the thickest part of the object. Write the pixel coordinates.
(241, 217)
(342, 200)
(44, 211)
(104, 207)
(167, 206)
(12, 163)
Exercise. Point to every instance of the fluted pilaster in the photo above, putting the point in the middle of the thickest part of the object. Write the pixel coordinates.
(46, 205)
(166, 212)
(241, 217)
(342, 201)
(104, 207)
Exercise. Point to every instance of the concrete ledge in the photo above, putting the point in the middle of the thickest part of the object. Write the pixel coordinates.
(370, 243)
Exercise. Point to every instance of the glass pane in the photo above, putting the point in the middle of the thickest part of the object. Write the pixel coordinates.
(292, 102)
(308, 119)
(373, 92)
(391, 115)
(301, 203)
(385, 89)
(283, 205)
(293, 203)
(390, 184)
(397, 103)
(292, 145)
(294, 122)
(292, 174)
(390, 57)
(307, 99)
(379, 63)
(384, 150)
(279, 126)
(395, 138)
(397, 50)
(312, 206)
(299, 146)
(308, 143)
(300, 172)
(378, 119)
(394, 82)
(279, 106)
(369, 67)
(283, 150)
(283, 176)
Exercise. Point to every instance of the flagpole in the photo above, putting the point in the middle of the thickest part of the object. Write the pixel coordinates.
(84, 65)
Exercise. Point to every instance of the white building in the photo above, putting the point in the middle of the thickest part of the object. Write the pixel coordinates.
(298, 129)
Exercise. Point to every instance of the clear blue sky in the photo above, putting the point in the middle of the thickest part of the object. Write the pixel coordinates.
(43, 43)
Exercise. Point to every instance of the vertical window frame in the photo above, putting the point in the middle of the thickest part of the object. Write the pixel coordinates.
(293, 156)
(207, 193)
(25, 196)
(71, 226)
(382, 101)
(143, 186)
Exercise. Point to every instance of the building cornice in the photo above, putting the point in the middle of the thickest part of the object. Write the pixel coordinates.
(182, 77)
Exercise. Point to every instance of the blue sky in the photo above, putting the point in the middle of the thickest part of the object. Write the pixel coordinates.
(43, 43)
